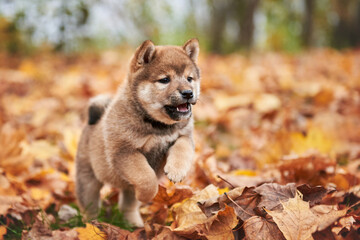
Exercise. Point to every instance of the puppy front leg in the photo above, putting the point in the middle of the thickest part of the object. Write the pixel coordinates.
(136, 170)
(180, 158)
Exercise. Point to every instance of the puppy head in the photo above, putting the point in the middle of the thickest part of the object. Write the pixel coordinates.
(165, 80)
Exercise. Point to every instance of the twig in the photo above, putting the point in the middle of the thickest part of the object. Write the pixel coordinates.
(225, 181)
(250, 214)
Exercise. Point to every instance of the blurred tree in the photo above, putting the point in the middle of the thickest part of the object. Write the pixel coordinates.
(222, 26)
(224, 12)
(308, 23)
(244, 15)
(346, 31)
(219, 17)
(72, 17)
(11, 40)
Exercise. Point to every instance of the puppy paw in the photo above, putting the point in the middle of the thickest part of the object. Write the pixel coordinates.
(175, 174)
(134, 218)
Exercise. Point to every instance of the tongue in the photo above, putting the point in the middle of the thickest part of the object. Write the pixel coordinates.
(182, 108)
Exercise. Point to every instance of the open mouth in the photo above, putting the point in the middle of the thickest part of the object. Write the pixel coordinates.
(180, 109)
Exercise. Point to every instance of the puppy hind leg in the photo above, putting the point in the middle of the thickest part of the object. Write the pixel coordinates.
(129, 205)
(87, 189)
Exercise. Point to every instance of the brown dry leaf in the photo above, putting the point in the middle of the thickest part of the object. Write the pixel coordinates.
(90, 232)
(39, 230)
(70, 234)
(190, 221)
(345, 222)
(7, 202)
(111, 231)
(174, 194)
(313, 169)
(272, 194)
(313, 195)
(246, 204)
(244, 200)
(327, 215)
(160, 232)
(188, 215)
(213, 205)
(259, 228)
(296, 221)
(219, 227)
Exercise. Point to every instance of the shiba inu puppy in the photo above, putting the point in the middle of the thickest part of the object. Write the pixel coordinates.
(144, 131)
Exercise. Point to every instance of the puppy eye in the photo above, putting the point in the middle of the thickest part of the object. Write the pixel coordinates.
(164, 80)
(189, 79)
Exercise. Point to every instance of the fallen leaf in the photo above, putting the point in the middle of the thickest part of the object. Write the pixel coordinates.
(112, 232)
(259, 228)
(160, 232)
(327, 215)
(296, 221)
(174, 194)
(266, 103)
(190, 221)
(70, 234)
(345, 222)
(243, 200)
(313, 195)
(90, 232)
(188, 214)
(273, 194)
(7, 202)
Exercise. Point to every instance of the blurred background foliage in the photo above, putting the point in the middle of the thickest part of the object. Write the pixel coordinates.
(222, 26)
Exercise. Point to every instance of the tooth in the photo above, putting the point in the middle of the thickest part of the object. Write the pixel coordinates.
(177, 109)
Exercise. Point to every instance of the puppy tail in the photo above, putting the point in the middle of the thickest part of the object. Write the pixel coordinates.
(97, 106)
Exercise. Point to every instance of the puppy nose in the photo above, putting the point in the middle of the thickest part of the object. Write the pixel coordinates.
(187, 94)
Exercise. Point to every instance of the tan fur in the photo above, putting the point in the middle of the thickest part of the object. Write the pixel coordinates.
(135, 137)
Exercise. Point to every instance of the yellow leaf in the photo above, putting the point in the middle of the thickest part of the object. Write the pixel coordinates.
(90, 232)
(29, 68)
(188, 214)
(223, 190)
(39, 193)
(71, 139)
(41, 149)
(315, 139)
(266, 103)
(244, 172)
(41, 174)
(222, 151)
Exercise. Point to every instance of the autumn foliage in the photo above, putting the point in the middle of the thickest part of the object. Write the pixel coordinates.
(277, 143)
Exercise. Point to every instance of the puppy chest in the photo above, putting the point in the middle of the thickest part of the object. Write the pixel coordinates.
(155, 150)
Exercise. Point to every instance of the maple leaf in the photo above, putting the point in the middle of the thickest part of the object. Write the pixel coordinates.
(259, 228)
(296, 221)
(190, 221)
(327, 215)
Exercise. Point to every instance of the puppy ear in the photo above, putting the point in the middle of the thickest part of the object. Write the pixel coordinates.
(145, 53)
(191, 48)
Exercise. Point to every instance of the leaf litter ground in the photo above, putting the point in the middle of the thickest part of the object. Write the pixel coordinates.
(277, 143)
